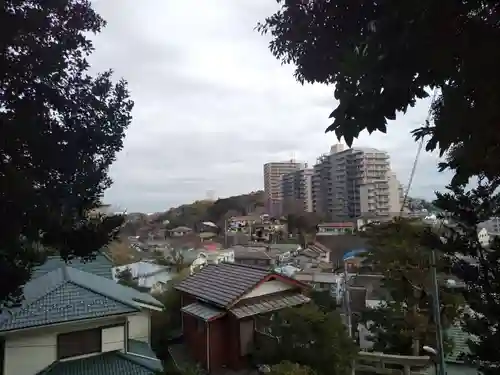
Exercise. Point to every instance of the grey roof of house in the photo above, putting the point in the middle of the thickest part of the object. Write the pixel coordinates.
(140, 352)
(268, 304)
(67, 294)
(100, 266)
(110, 363)
(181, 229)
(223, 283)
(202, 311)
(284, 247)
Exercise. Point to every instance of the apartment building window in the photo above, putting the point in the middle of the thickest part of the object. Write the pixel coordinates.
(79, 343)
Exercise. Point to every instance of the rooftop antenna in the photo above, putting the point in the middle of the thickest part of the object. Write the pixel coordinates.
(292, 160)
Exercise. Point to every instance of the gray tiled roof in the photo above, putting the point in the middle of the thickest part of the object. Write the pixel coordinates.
(140, 352)
(67, 294)
(111, 363)
(271, 303)
(202, 311)
(100, 266)
(222, 283)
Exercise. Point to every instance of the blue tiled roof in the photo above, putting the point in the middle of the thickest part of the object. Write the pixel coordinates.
(100, 266)
(67, 294)
(112, 363)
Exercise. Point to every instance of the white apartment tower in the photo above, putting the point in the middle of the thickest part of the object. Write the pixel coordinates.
(273, 174)
(296, 188)
(355, 182)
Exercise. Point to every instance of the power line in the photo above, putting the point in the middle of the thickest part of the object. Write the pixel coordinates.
(417, 156)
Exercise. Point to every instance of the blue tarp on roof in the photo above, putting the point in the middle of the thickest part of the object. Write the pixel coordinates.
(354, 253)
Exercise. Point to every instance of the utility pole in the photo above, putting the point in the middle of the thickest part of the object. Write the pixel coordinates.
(225, 233)
(437, 316)
(347, 300)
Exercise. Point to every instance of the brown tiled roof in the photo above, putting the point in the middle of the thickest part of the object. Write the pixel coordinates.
(268, 304)
(223, 283)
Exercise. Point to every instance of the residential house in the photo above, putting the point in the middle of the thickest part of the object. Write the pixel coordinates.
(483, 237)
(253, 256)
(242, 223)
(266, 256)
(150, 277)
(76, 322)
(100, 265)
(222, 306)
(317, 251)
(335, 229)
(180, 231)
(320, 280)
(340, 245)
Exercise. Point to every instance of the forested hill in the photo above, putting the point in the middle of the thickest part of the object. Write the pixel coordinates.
(215, 211)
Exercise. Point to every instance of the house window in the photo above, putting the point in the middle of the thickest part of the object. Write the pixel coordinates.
(79, 343)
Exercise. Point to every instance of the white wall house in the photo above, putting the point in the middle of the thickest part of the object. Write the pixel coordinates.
(483, 237)
(150, 276)
(73, 319)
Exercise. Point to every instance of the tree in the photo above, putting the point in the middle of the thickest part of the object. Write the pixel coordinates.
(382, 56)
(478, 267)
(125, 277)
(309, 337)
(289, 368)
(323, 300)
(60, 132)
(403, 323)
(168, 322)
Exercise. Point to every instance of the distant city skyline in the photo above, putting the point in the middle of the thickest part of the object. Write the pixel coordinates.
(215, 105)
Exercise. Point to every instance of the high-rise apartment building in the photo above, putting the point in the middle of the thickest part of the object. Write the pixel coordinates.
(296, 188)
(273, 174)
(355, 182)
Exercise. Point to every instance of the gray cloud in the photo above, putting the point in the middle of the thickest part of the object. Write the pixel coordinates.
(213, 104)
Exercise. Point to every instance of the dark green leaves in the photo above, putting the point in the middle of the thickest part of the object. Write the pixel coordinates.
(60, 132)
(308, 337)
(381, 58)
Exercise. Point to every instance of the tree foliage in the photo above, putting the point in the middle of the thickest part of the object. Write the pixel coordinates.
(215, 211)
(289, 368)
(168, 322)
(60, 131)
(478, 267)
(309, 337)
(404, 322)
(305, 222)
(323, 300)
(383, 55)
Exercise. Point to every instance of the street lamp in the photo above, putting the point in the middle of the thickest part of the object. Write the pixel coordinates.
(434, 353)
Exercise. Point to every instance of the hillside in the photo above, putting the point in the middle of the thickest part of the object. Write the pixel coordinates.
(215, 211)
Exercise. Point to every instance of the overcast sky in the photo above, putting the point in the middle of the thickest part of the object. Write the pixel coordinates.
(212, 105)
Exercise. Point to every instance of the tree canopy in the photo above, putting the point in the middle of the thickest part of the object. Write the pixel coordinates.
(477, 266)
(60, 131)
(309, 337)
(382, 56)
(404, 321)
(289, 368)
